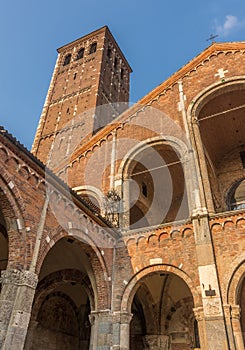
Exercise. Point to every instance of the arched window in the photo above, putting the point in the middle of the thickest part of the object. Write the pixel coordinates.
(236, 197)
(67, 60)
(80, 54)
(93, 48)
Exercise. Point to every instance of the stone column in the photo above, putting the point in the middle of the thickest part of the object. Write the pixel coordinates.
(101, 330)
(199, 315)
(156, 342)
(110, 330)
(125, 319)
(227, 313)
(18, 290)
(236, 326)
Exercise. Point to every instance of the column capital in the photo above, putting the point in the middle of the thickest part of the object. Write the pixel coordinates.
(113, 317)
(199, 313)
(19, 278)
(235, 311)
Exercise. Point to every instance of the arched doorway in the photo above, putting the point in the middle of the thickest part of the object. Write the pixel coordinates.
(163, 317)
(63, 300)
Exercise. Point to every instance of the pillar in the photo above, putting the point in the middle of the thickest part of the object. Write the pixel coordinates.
(101, 330)
(214, 320)
(125, 319)
(236, 326)
(18, 290)
(199, 316)
(109, 330)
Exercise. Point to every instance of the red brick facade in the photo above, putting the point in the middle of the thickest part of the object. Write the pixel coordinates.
(135, 239)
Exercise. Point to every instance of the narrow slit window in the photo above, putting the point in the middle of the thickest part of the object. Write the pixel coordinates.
(122, 73)
(115, 63)
(109, 52)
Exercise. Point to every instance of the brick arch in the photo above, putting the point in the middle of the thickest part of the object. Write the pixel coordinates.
(132, 286)
(207, 194)
(53, 280)
(177, 144)
(98, 264)
(12, 208)
(235, 282)
(201, 98)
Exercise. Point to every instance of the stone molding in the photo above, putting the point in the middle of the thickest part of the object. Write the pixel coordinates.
(109, 316)
(19, 278)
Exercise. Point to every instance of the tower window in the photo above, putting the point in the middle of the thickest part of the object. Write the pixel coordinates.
(67, 60)
(74, 76)
(109, 52)
(80, 54)
(144, 189)
(93, 48)
(115, 63)
(122, 73)
(242, 155)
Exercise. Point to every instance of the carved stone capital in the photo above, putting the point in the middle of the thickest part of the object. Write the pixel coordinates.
(19, 278)
(235, 311)
(125, 318)
(199, 313)
(113, 317)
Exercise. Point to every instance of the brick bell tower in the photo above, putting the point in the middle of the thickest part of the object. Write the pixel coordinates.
(90, 72)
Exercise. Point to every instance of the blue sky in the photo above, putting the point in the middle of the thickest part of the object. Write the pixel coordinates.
(158, 37)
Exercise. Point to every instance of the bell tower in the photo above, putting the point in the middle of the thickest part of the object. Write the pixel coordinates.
(89, 72)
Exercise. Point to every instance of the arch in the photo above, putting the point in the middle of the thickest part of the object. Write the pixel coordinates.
(132, 285)
(235, 197)
(94, 254)
(177, 144)
(12, 224)
(54, 280)
(214, 157)
(161, 301)
(235, 281)
(94, 195)
(153, 167)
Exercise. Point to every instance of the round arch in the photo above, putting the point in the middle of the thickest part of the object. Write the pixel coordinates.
(132, 285)
(142, 171)
(205, 115)
(177, 144)
(11, 207)
(94, 254)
